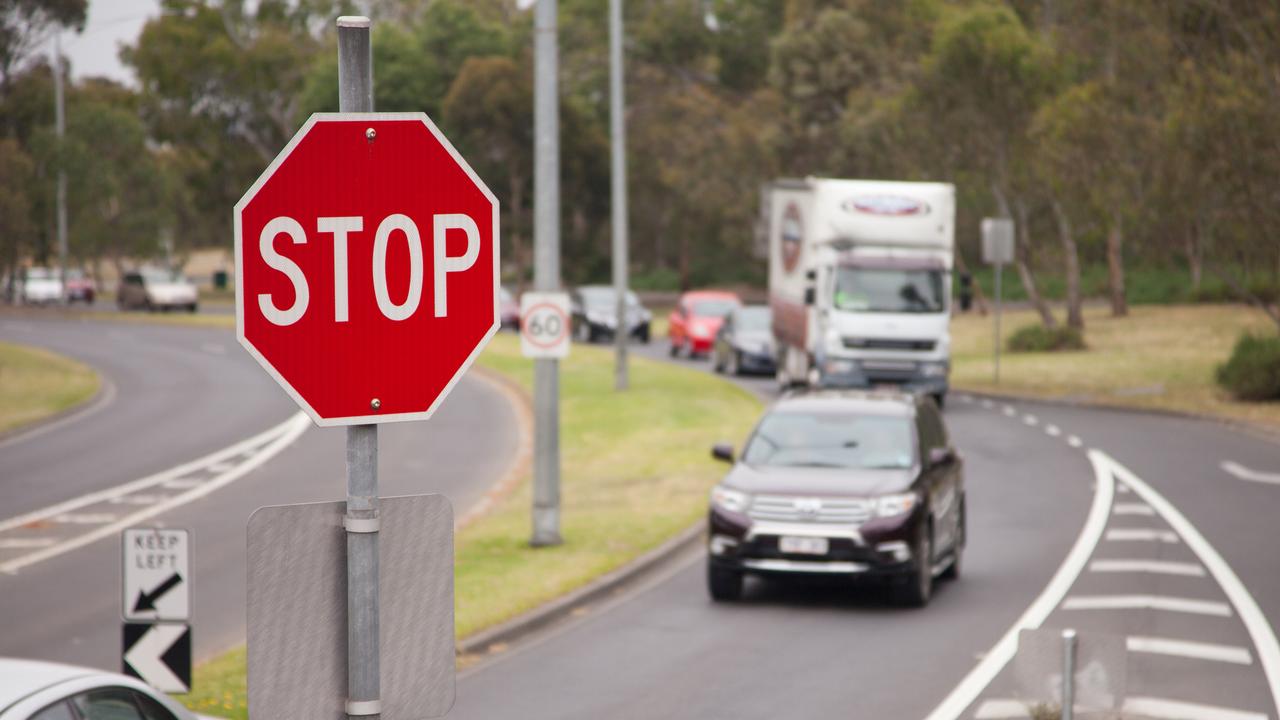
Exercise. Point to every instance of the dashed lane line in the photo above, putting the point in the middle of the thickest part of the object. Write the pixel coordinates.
(1147, 602)
(1142, 535)
(1244, 473)
(1159, 567)
(1052, 430)
(265, 446)
(1074, 441)
(1184, 648)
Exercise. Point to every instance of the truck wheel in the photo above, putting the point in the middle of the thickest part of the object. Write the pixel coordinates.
(724, 585)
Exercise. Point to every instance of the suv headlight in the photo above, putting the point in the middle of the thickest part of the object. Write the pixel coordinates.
(731, 500)
(897, 504)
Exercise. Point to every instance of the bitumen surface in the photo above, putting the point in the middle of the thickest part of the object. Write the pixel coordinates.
(809, 651)
(178, 395)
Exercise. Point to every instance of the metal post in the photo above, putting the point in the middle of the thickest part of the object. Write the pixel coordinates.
(618, 129)
(60, 128)
(546, 273)
(999, 267)
(1068, 674)
(364, 692)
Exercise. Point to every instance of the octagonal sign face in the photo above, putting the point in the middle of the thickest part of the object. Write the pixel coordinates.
(367, 267)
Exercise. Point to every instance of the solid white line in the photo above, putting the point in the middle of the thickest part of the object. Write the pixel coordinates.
(1174, 710)
(1133, 509)
(1159, 567)
(289, 431)
(1052, 430)
(1146, 602)
(1123, 489)
(1245, 473)
(164, 476)
(1187, 649)
(1031, 420)
(84, 518)
(994, 661)
(1074, 441)
(1001, 709)
(1142, 535)
(1264, 638)
(26, 543)
(180, 484)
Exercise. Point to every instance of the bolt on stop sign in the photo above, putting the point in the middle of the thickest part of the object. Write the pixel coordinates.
(367, 267)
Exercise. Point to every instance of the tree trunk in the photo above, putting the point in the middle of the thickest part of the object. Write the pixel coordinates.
(1195, 256)
(1115, 267)
(1022, 258)
(1071, 266)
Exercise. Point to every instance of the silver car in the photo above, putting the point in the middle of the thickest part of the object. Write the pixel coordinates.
(156, 289)
(35, 690)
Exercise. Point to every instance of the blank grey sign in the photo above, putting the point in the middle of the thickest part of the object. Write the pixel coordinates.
(997, 241)
(297, 610)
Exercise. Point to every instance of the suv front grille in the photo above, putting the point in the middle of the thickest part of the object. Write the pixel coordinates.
(782, 508)
(888, 344)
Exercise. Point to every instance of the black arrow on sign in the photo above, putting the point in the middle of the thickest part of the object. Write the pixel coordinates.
(147, 600)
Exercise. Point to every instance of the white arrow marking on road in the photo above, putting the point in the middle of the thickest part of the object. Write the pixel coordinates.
(145, 657)
(1146, 602)
(1159, 567)
(1244, 473)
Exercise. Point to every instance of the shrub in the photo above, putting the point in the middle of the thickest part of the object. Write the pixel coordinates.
(1038, 338)
(1253, 370)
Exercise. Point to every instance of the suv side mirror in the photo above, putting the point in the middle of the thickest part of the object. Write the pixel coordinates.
(722, 451)
(941, 456)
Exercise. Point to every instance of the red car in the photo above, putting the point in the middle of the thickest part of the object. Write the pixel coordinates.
(693, 325)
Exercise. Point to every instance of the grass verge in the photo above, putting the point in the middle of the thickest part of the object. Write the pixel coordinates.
(636, 471)
(36, 384)
(1159, 357)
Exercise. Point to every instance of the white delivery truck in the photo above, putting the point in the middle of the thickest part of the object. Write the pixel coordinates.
(860, 282)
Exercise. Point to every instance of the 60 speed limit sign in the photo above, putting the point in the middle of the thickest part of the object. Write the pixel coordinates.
(544, 325)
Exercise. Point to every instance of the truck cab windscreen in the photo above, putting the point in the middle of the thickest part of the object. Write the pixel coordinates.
(889, 290)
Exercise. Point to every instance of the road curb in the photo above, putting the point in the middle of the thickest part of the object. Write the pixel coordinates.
(101, 398)
(565, 605)
(1257, 430)
(522, 405)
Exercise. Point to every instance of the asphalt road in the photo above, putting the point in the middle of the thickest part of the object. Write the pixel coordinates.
(1042, 542)
(179, 395)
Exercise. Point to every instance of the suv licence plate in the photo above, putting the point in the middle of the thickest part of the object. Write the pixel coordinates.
(802, 545)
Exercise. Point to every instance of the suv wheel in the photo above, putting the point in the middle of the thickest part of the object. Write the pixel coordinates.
(953, 571)
(919, 583)
(723, 584)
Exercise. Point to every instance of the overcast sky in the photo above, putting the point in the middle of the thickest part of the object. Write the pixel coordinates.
(111, 23)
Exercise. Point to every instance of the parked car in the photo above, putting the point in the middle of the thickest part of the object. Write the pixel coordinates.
(508, 309)
(156, 289)
(841, 483)
(40, 286)
(36, 690)
(80, 287)
(594, 311)
(745, 342)
(693, 324)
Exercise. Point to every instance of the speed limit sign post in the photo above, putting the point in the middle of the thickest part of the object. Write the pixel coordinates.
(544, 325)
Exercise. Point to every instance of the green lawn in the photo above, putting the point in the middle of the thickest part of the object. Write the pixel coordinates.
(36, 384)
(636, 471)
(1159, 357)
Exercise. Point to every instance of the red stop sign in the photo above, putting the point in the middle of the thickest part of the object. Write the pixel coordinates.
(367, 267)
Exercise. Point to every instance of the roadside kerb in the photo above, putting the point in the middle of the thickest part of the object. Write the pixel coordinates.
(485, 641)
(518, 469)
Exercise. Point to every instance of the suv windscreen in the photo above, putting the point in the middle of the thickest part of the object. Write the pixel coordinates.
(832, 439)
(886, 290)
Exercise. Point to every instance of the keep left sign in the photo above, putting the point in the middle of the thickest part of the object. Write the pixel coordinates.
(157, 574)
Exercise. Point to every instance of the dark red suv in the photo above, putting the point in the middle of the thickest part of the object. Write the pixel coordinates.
(841, 483)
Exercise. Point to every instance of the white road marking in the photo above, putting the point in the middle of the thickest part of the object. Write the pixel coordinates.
(26, 543)
(1001, 709)
(1147, 602)
(222, 466)
(1031, 420)
(1175, 710)
(1074, 441)
(1264, 638)
(994, 661)
(180, 484)
(1133, 509)
(1244, 473)
(1010, 410)
(1123, 489)
(269, 442)
(1142, 535)
(1052, 430)
(1187, 649)
(1159, 567)
(84, 518)
(139, 499)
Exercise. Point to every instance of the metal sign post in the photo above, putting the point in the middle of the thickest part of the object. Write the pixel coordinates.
(546, 273)
(618, 128)
(997, 249)
(355, 94)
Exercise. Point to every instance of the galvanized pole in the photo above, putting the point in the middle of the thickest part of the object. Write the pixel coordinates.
(1068, 674)
(355, 94)
(546, 272)
(999, 267)
(618, 129)
(60, 128)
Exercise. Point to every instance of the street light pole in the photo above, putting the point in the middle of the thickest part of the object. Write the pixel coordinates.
(60, 129)
(546, 272)
(618, 130)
